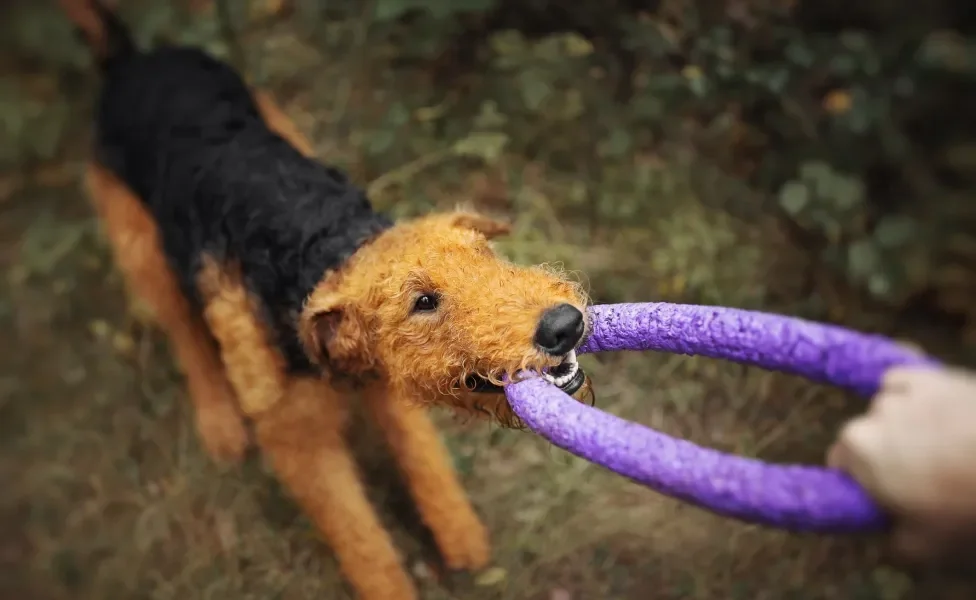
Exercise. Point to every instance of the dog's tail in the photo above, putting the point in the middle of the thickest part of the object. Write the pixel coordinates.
(106, 34)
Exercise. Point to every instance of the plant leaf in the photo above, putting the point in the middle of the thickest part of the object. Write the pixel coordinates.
(485, 145)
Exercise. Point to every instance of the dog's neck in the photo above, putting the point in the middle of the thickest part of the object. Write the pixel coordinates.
(326, 251)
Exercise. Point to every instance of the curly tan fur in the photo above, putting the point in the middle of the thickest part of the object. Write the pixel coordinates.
(430, 477)
(255, 369)
(303, 437)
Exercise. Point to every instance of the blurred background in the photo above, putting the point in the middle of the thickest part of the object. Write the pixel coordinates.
(810, 157)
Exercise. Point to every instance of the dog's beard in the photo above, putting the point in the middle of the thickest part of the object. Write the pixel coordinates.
(485, 394)
(567, 376)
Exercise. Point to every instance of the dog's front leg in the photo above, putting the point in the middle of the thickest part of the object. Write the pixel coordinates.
(138, 253)
(426, 464)
(303, 436)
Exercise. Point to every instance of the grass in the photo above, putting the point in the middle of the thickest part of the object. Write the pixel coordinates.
(109, 494)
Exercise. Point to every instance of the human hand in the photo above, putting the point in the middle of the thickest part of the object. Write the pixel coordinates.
(914, 450)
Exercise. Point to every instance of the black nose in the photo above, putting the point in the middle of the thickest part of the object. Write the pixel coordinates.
(560, 329)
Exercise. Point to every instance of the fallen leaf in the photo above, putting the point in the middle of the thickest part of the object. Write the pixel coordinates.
(421, 571)
(226, 530)
(491, 577)
(560, 594)
(99, 328)
(577, 46)
(838, 102)
(123, 343)
(692, 72)
(485, 145)
(265, 9)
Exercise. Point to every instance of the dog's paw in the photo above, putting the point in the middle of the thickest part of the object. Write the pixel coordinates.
(222, 431)
(468, 549)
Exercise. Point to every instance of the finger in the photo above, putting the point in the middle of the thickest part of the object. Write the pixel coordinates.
(951, 382)
(857, 443)
(886, 401)
(897, 379)
(919, 377)
(839, 455)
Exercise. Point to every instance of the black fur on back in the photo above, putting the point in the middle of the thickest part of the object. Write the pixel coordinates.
(182, 130)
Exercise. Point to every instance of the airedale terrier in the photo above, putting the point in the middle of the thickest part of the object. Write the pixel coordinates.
(282, 292)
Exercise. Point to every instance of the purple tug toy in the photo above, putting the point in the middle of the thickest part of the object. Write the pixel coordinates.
(793, 497)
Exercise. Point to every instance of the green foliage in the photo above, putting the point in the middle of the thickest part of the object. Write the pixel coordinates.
(545, 72)
(825, 201)
(33, 121)
(387, 10)
(484, 145)
(883, 257)
(812, 114)
(821, 104)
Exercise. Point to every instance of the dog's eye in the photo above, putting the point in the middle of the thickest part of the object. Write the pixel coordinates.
(425, 303)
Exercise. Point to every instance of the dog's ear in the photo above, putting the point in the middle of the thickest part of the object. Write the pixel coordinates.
(333, 335)
(490, 228)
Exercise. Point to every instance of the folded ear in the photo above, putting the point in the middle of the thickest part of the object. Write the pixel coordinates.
(333, 335)
(490, 228)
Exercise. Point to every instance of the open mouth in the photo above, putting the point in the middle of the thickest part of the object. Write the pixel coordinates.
(567, 376)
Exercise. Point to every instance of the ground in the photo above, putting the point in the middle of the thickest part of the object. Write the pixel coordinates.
(108, 493)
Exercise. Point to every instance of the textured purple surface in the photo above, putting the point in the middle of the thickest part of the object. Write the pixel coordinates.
(792, 497)
(819, 352)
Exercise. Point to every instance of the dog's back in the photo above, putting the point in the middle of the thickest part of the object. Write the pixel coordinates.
(182, 130)
(171, 101)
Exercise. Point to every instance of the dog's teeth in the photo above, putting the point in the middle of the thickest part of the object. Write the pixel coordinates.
(571, 362)
(564, 379)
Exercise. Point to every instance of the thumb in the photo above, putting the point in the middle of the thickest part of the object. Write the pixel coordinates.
(852, 451)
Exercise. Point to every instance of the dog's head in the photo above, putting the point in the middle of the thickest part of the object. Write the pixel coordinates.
(429, 307)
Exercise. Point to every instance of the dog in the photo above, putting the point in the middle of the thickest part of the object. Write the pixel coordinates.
(284, 295)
